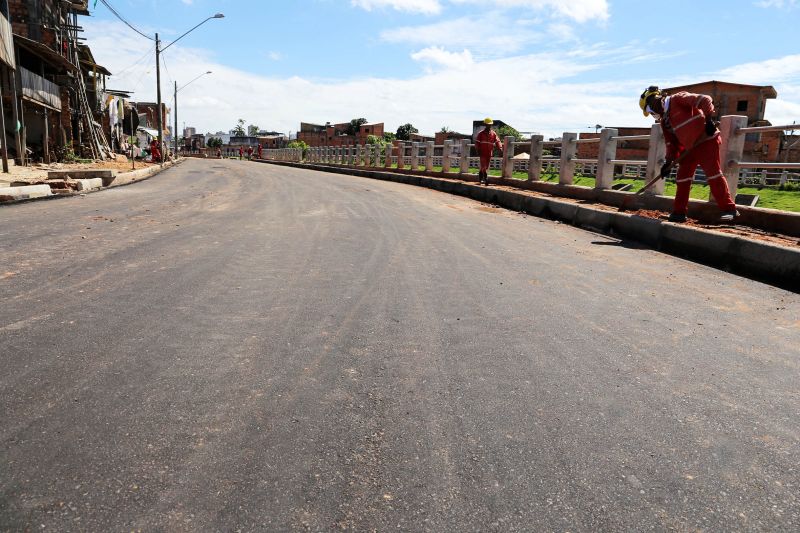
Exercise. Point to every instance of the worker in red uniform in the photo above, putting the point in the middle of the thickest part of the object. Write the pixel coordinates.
(260, 150)
(249, 153)
(241, 152)
(687, 122)
(485, 143)
(154, 151)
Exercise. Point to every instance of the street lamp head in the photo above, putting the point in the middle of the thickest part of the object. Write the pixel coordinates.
(219, 16)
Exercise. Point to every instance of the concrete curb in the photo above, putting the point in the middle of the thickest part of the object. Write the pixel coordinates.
(26, 192)
(15, 195)
(770, 263)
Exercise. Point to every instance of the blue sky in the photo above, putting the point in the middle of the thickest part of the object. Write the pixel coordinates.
(542, 65)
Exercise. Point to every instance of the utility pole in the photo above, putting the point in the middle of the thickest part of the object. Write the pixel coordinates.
(175, 111)
(159, 119)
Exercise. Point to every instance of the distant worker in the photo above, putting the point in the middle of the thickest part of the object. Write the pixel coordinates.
(690, 133)
(154, 151)
(485, 143)
(249, 153)
(260, 150)
(241, 152)
(219, 153)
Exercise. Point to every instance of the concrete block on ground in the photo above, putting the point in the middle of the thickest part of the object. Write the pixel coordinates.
(13, 194)
(89, 184)
(81, 174)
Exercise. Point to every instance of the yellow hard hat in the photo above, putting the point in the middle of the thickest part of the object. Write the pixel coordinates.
(650, 91)
(488, 121)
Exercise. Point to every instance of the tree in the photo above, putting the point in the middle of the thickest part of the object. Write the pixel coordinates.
(374, 139)
(388, 136)
(299, 144)
(239, 130)
(445, 129)
(355, 125)
(214, 142)
(252, 130)
(404, 132)
(506, 130)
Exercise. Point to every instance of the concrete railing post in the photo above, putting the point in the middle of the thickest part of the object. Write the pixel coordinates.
(415, 156)
(401, 154)
(732, 149)
(464, 163)
(507, 166)
(607, 151)
(446, 153)
(535, 162)
(568, 150)
(429, 156)
(656, 155)
(387, 162)
(357, 160)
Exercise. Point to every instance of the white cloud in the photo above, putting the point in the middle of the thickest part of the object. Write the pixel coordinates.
(507, 36)
(440, 57)
(275, 56)
(785, 68)
(426, 7)
(780, 4)
(577, 10)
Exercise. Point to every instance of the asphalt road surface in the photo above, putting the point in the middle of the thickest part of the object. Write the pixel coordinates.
(240, 346)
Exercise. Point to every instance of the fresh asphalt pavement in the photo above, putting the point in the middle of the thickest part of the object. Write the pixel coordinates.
(240, 346)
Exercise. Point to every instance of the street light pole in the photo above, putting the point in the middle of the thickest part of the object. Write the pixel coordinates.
(176, 105)
(158, 100)
(158, 79)
(175, 111)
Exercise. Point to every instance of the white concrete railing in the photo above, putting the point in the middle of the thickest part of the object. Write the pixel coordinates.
(455, 157)
(283, 154)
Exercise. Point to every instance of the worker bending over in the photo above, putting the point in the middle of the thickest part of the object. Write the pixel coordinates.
(691, 134)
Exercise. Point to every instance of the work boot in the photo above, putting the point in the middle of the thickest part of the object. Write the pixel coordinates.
(677, 217)
(728, 216)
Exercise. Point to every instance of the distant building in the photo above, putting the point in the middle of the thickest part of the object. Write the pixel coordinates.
(272, 141)
(189, 132)
(336, 134)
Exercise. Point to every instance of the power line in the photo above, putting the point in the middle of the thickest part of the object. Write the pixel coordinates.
(138, 61)
(120, 17)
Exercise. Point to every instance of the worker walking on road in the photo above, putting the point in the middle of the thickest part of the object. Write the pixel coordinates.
(688, 125)
(485, 143)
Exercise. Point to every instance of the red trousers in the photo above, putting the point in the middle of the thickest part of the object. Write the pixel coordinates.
(486, 159)
(707, 156)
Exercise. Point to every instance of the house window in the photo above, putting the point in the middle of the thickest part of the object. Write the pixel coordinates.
(741, 105)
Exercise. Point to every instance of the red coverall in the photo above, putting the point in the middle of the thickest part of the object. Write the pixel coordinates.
(154, 151)
(683, 125)
(485, 143)
(241, 152)
(260, 151)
